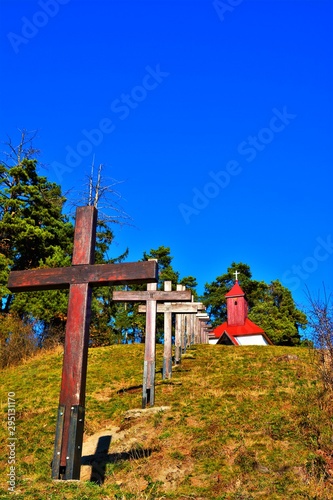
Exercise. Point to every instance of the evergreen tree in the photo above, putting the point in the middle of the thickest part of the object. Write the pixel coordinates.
(33, 228)
(166, 271)
(104, 327)
(190, 283)
(34, 232)
(276, 313)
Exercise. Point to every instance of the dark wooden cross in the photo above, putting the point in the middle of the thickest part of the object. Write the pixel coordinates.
(79, 278)
(150, 296)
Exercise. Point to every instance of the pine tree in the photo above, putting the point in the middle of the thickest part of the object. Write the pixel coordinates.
(34, 232)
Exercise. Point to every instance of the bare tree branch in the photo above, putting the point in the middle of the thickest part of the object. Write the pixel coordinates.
(104, 197)
(320, 317)
(24, 149)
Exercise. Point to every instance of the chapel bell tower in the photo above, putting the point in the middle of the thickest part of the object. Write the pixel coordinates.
(236, 305)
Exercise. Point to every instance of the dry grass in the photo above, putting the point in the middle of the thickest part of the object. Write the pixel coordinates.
(244, 423)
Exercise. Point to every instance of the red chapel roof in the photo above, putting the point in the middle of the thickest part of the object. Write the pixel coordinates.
(249, 328)
(236, 291)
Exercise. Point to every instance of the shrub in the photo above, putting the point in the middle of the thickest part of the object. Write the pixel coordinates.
(17, 340)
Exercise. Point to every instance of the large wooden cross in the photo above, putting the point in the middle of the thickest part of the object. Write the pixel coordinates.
(151, 296)
(79, 278)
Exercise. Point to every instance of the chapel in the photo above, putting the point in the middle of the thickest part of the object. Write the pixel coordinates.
(238, 329)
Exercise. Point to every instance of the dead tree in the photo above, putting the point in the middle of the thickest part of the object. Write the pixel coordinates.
(320, 321)
(100, 192)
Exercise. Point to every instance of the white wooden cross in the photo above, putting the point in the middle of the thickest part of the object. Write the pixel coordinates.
(236, 273)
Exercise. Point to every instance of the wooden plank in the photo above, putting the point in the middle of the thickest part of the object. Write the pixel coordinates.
(192, 329)
(178, 338)
(84, 243)
(96, 275)
(74, 368)
(178, 330)
(143, 296)
(176, 307)
(167, 352)
(148, 385)
(183, 332)
(188, 330)
(76, 346)
(196, 330)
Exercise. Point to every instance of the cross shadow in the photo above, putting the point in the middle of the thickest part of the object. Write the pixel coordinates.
(130, 389)
(99, 460)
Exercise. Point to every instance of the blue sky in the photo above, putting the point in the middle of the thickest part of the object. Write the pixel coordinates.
(217, 118)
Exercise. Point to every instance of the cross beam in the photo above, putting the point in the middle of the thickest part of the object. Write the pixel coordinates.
(79, 278)
(95, 275)
(176, 307)
(158, 295)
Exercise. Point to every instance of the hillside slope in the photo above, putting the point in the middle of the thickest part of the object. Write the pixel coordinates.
(243, 423)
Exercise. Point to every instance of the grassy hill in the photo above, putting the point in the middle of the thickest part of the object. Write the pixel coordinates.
(243, 423)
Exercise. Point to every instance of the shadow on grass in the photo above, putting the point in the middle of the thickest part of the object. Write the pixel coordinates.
(134, 388)
(130, 389)
(99, 460)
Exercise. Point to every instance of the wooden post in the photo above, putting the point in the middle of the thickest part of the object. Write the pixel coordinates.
(178, 333)
(183, 333)
(148, 386)
(188, 331)
(178, 348)
(167, 353)
(196, 330)
(71, 411)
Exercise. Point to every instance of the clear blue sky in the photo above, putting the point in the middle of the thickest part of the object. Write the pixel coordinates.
(217, 117)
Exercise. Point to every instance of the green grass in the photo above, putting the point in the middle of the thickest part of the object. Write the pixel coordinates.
(243, 424)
